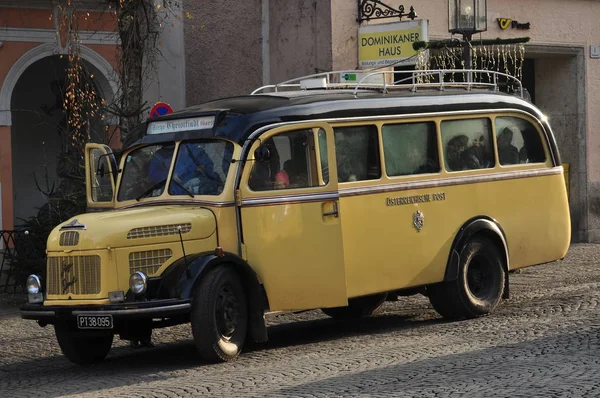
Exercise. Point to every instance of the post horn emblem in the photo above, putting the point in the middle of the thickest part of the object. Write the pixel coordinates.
(418, 220)
(504, 22)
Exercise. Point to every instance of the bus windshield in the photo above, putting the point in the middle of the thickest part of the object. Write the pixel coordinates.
(199, 168)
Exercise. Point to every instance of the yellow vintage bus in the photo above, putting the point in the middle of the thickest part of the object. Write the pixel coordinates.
(310, 194)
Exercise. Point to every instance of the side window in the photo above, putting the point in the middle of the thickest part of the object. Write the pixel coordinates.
(518, 142)
(293, 163)
(410, 148)
(357, 153)
(467, 144)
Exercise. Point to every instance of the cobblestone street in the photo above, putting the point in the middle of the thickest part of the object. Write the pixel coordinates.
(544, 342)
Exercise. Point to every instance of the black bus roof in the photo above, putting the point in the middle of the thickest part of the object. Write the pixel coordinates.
(237, 117)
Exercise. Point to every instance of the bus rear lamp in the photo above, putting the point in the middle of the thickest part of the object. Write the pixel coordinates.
(138, 282)
(219, 251)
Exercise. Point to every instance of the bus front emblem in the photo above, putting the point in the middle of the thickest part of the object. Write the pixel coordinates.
(418, 220)
(66, 283)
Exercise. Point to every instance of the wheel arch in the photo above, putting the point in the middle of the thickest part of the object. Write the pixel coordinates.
(183, 276)
(478, 226)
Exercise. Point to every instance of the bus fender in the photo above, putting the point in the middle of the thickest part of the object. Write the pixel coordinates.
(487, 226)
(181, 278)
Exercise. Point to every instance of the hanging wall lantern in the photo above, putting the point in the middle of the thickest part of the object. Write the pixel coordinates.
(467, 16)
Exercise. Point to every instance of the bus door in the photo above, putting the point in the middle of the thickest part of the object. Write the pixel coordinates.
(291, 224)
(100, 176)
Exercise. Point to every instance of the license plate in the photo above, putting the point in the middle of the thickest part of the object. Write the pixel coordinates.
(94, 321)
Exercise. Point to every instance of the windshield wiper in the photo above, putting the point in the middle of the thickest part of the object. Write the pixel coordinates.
(182, 187)
(152, 188)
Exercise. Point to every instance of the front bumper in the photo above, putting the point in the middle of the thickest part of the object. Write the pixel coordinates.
(120, 312)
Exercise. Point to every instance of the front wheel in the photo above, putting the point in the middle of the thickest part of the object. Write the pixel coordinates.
(219, 315)
(81, 347)
(479, 286)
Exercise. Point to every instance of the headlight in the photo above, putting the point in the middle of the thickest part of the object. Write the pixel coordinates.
(33, 284)
(138, 282)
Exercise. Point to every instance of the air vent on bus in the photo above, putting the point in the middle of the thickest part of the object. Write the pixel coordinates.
(69, 238)
(148, 261)
(159, 230)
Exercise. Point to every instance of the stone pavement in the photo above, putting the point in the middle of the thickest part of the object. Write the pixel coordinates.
(543, 342)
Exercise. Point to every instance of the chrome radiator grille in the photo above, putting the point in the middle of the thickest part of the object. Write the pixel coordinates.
(148, 261)
(159, 230)
(73, 274)
(69, 238)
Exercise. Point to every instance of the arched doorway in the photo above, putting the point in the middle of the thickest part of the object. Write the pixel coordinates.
(40, 134)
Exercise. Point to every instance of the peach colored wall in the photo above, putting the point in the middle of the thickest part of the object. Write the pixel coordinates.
(553, 22)
(300, 39)
(344, 35)
(223, 53)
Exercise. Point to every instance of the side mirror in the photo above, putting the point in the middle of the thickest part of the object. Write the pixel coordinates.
(262, 154)
(100, 169)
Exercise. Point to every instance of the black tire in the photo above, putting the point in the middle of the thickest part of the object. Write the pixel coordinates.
(357, 307)
(219, 315)
(82, 347)
(479, 286)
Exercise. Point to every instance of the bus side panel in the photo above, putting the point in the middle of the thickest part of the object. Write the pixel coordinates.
(534, 213)
(385, 251)
(226, 228)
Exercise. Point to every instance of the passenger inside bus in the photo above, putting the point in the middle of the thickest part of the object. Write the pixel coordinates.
(259, 176)
(507, 153)
(158, 168)
(194, 172)
(282, 180)
(455, 150)
(462, 156)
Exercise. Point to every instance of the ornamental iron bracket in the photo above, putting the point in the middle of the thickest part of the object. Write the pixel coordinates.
(375, 9)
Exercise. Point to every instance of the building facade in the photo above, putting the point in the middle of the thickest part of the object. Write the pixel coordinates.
(33, 62)
(234, 47)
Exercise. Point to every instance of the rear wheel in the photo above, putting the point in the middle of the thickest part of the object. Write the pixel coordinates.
(357, 307)
(219, 315)
(82, 347)
(479, 286)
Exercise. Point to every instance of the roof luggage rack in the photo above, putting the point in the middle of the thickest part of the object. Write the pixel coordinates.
(414, 80)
